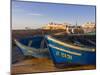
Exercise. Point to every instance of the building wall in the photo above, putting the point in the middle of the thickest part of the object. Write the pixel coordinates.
(89, 27)
(55, 26)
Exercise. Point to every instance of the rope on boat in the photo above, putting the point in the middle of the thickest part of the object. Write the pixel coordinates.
(91, 42)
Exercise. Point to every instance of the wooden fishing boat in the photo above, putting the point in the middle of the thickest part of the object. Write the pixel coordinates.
(33, 46)
(68, 50)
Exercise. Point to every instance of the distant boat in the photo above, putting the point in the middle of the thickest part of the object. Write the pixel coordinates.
(67, 51)
(33, 46)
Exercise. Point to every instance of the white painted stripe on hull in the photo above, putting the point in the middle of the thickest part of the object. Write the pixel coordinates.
(67, 51)
(69, 45)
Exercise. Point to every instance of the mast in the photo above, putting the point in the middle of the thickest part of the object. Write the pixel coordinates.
(76, 24)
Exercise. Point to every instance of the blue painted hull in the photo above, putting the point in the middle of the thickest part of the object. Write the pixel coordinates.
(65, 53)
(33, 46)
(35, 41)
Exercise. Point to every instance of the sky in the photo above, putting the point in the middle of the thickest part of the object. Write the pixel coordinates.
(36, 14)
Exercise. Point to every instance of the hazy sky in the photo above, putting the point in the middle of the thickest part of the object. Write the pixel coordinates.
(34, 14)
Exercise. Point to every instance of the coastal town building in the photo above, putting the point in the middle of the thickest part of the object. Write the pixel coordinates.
(71, 29)
(89, 27)
(55, 26)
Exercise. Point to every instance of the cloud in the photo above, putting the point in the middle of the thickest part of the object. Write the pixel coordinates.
(35, 14)
(16, 6)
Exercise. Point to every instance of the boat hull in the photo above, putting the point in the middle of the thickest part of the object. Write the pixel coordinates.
(31, 47)
(64, 53)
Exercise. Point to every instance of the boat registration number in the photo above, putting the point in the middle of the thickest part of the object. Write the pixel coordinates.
(63, 55)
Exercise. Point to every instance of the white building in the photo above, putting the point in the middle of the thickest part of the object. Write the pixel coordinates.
(89, 27)
(55, 26)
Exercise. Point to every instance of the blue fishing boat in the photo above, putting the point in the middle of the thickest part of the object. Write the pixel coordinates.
(33, 46)
(70, 51)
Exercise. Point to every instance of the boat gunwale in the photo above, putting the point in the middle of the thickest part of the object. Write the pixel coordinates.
(69, 45)
(29, 48)
(61, 49)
